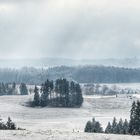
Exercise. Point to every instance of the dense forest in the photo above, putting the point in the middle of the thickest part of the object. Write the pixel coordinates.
(81, 74)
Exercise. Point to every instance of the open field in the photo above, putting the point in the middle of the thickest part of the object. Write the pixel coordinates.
(60, 123)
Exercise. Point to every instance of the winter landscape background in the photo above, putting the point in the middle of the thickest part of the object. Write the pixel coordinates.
(89, 51)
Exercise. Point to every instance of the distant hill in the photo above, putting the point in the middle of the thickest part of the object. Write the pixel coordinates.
(51, 62)
(81, 74)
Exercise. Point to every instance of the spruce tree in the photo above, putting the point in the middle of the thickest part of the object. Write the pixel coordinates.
(10, 125)
(36, 97)
(13, 88)
(132, 124)
(120, 127)
(108, 128)
(23, 89)
(44, 101)
(137, 118)
(114, 126)
(125, 127)
(88, 127)
(79, 97)
(2, 125)
(94, 127)
(98, 128)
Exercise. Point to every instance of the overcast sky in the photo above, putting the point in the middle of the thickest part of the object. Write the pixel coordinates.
(69, 28)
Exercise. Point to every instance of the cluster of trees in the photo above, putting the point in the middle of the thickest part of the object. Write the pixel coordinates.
(112, 128)
(8, 89)
(118, 127)
(9, 125)
(122, 127)
(93, 127)
(59, 93)
(81, 74)
(95, 89)
(11, 89)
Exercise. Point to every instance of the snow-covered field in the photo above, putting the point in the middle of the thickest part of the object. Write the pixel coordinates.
(63, 123)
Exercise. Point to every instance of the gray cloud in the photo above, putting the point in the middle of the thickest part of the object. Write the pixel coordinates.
(73, 29)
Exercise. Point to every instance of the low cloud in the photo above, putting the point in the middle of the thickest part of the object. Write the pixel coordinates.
(73, 29)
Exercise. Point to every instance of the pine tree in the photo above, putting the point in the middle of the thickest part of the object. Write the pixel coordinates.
(44, 101)
(132, 118)
(114, 126)
(108, 128)
(79, 97)
(98, 128)
(13, 88)
(23, 89)
(51, 89)
(94, 127)
(36, 97)
(2, 125)
(66, 92)
(120, 127)
(88, 127)
(10, 125)
(137, 118)
(3, 89)
(125, 127)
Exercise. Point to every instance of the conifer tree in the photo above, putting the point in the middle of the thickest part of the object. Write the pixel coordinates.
(23, 89)
(108, 128)
(45, 93)
(114, 126)
(125, 127)
(10, 125)
(94, 127)
(120, 127)
(36, 97)
(79, 97)
(132, 124)
(88, 127)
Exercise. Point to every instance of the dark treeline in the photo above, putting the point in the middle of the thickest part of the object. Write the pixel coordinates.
(59, 93)
(81, 74)
(122, 127)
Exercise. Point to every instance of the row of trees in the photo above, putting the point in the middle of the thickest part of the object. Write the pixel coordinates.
(122, 127)
(112, 128)
(118, 127)
(59, 93)
(97, 89)
(11, 89)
